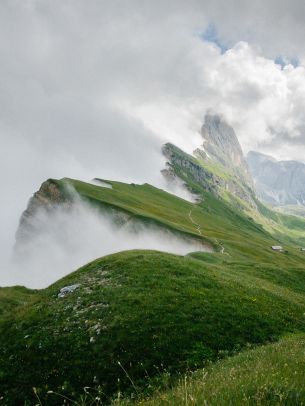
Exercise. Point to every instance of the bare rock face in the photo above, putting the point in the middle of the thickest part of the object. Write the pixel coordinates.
(46, 198)
(221, 145)
(189, 168)
(180, 163)
(278, 182)
(220, 140)
(218, 166)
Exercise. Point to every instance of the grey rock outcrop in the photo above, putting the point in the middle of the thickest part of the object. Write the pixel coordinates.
(180, 163)
(220, 144)
(218, 166)
(66, 290)
(187, 167)
(46, 198)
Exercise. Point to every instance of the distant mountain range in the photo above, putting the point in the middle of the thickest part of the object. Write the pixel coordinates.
(278, 183)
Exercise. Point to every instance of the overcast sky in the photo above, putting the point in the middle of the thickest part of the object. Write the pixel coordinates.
(93, 88)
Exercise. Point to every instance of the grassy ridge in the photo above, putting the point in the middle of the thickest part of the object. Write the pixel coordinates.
(232, 189)
(219, 221)
(139, 313)
(149, 311)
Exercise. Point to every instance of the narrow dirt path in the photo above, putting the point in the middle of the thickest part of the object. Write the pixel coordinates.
(222, 248)
(198, 228)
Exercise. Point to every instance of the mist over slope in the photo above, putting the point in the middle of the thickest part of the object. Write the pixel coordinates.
(96, 92)
(63, 239)
(65, 217)
(127, 122)
(129, 309)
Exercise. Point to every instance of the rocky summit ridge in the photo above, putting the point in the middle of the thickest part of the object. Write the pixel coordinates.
(221, 144)
(218, 165)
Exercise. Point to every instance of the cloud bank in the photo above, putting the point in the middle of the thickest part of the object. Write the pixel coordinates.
(65, 239)
(94, 89)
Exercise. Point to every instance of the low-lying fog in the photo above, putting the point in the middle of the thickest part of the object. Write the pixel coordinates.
(66, 239)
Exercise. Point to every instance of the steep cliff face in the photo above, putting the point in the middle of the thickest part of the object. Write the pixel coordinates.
(46, 198)
(213, 180)
(220, 144)
(218, 166)
(278, 182)
(180, 164)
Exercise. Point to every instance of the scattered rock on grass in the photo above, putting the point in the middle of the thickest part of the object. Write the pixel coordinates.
(67, 289)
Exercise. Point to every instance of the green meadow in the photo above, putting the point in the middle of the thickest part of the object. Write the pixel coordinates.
(152, 327)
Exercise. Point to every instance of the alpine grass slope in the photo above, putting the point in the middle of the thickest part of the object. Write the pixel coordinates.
(137, 324)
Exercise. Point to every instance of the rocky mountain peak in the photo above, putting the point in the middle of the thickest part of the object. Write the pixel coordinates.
(220, 139)
(221, 144)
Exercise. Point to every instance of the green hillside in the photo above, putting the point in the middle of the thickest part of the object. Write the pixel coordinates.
(270, 375)
(219, 221)
(152, 312)
(11, 298)
(138, 316)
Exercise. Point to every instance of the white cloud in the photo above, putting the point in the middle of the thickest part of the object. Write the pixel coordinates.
(262, 101)
(94, 90)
